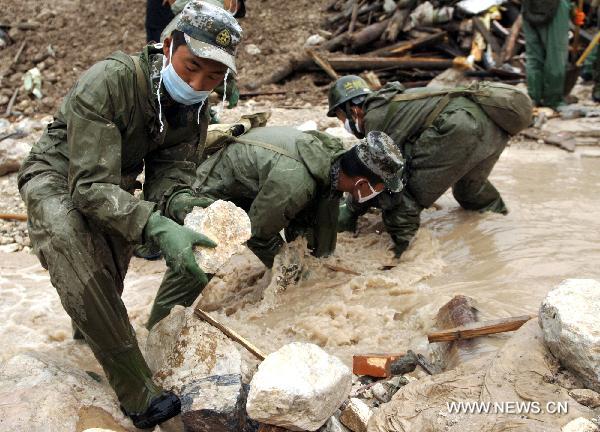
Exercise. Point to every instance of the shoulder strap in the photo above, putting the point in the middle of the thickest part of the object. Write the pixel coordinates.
(267, 146)
(404, 97)
(141, 78)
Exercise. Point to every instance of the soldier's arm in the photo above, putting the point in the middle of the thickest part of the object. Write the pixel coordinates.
(402, 217)
(281, 197)
(102, 95)
(172, 170)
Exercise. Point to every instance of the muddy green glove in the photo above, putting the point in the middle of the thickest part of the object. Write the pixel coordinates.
(347, 219)
(176, 243)
(183, 203)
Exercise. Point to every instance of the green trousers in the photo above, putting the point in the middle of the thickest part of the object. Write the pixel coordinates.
(87, 267)
(175, 289)
(547, 49)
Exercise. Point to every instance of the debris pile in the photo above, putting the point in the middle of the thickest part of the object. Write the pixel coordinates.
(413, 40)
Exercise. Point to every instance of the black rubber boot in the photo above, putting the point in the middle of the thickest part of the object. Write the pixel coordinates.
(162, 407)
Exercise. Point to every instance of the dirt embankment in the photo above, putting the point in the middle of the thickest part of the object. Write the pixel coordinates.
(65, 37)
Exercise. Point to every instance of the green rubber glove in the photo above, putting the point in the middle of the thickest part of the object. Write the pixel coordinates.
(183, 203)
(347, 219)
(176, 243)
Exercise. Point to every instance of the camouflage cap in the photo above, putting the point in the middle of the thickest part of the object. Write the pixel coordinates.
(210, 31)
(380, 155)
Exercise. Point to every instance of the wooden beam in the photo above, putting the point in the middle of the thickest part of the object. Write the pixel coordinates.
(403, 47)
(477, 329)
(323, 63)
(12, 216)
(508, 50)
(232, 334)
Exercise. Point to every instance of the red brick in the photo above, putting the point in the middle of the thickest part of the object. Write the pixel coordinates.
(375, 365)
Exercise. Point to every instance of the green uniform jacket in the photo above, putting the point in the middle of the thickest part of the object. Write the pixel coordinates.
(458, 150)
(106, 130)
(291, 190)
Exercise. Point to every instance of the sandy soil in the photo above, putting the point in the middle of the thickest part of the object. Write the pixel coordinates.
(70, 35)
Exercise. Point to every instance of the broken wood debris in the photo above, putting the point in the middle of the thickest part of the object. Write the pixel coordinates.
(230, 333)
(474, 330)
(390, 38)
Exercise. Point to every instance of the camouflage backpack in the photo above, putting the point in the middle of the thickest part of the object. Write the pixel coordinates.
(510, 108)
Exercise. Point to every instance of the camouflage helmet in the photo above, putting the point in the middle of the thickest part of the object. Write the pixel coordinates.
(382, 157)
(346, 88)
(210, 31)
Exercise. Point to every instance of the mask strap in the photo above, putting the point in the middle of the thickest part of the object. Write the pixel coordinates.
(162, 126)
(200, 109)
(373, 191)
(224, 92)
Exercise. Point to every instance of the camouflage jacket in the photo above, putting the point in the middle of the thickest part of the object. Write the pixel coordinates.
(107, 130)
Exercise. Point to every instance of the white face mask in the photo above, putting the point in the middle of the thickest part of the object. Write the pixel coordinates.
(349, 128)
(373, 194)
(179, 90)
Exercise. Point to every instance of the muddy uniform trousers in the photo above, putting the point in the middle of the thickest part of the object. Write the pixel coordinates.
(459, 150)
(87, 267)
(547, 48)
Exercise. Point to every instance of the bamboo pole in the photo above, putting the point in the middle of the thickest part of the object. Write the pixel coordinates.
(232, 334)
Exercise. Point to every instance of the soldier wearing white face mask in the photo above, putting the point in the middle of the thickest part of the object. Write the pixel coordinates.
(124, 114)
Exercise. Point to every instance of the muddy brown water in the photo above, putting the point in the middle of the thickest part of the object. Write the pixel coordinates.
(506, 263)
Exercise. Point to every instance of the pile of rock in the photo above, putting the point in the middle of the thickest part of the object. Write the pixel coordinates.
(570, 321)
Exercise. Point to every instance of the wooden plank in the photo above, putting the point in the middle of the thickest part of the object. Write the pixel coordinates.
(509, 47)
(323, 63)
(341, 269)
(349, 63)
(406, 46)
(232, 334)
(12, 216)
(563, 140)
(477, 329)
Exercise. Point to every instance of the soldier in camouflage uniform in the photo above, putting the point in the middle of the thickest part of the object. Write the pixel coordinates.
(124, 113)
(288, 180)
(458, 150)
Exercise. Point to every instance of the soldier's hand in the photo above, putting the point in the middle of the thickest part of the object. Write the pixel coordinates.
(346, 219)
(181, 204)
(176, 243)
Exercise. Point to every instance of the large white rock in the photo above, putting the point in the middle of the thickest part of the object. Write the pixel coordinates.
(203, 367)
(39, 393)
(580, 424)
(226, 224)
(570, 321)
(298, 387)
